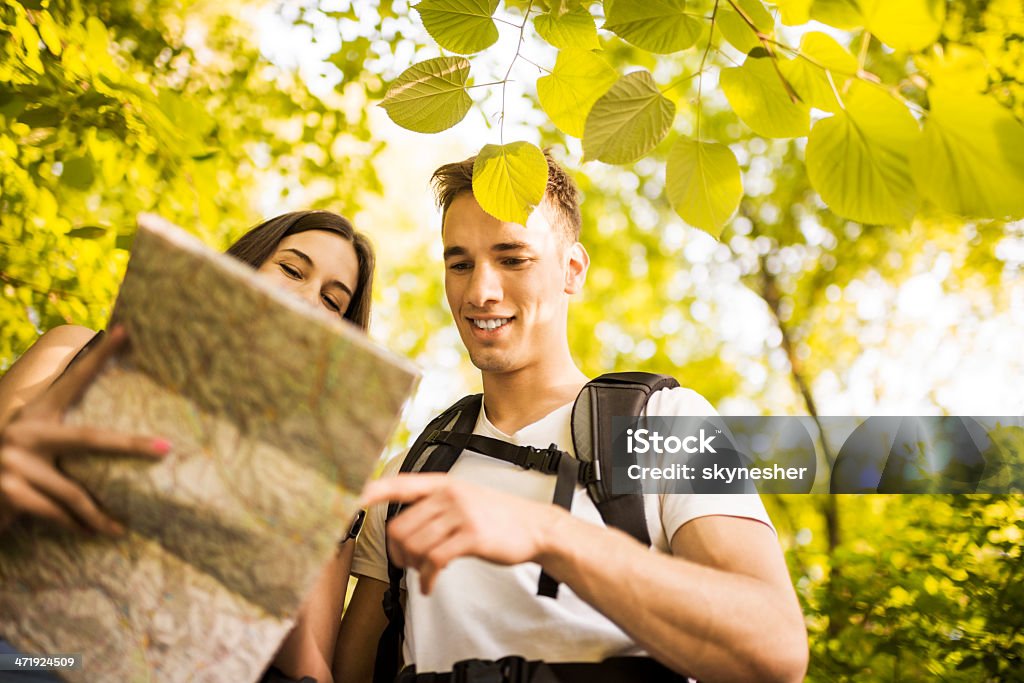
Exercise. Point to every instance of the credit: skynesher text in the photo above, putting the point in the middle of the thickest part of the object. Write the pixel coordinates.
(715, 472)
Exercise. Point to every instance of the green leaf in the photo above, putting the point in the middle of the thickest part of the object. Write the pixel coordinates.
(509, 180)
(702, 180)
(905, 25)
(844, 14)
(430, 96)
(807, 73)
(576, 82)
(659, 26)
(124, 242)
(628, 121)
(858, 160)
(971, 161)
(78, 172)
(41, 117)
(462, 26)
(737, 31)
(758, 97)
(573, 29)
(87, 232)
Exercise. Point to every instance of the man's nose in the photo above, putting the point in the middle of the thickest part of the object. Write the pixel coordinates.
(484, 286)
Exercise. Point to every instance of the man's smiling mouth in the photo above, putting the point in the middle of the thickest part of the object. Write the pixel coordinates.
(491, 324)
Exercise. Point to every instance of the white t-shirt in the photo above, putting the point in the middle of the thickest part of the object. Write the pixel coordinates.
(481, 610)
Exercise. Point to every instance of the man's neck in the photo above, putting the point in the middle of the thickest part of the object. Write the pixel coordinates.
(514, 400)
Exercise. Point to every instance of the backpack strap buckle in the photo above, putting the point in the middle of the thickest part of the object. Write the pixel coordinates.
(590, 473)
(543, 459)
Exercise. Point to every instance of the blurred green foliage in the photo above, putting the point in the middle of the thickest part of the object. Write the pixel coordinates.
(109, 108)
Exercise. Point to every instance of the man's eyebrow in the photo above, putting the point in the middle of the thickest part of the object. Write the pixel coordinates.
(510, 246)
(301, 255)
(499, 247)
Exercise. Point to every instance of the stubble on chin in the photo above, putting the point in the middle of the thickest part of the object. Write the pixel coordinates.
(486, 361)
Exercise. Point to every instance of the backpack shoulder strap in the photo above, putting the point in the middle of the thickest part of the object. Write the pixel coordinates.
(616, 394)
(460, 417)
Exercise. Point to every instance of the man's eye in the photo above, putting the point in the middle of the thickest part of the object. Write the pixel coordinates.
(514, 261)
(460, 266)
(290, 271)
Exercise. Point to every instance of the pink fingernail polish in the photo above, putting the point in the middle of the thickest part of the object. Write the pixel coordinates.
(162, 446)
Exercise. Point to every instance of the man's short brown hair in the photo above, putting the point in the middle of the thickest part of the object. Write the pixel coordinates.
(453, 179)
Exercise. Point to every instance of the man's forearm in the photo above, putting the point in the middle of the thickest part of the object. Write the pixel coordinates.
(708, 623)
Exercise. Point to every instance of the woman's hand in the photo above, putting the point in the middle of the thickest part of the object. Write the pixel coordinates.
(31, 440)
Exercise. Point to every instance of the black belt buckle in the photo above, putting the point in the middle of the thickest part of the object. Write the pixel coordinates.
(505, 670)
(476, 671)
(514, 669)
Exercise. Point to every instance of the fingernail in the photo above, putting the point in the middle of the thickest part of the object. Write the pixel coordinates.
(162, 446)
(117, 529)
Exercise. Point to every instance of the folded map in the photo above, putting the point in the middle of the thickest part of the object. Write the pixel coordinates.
(277, 415)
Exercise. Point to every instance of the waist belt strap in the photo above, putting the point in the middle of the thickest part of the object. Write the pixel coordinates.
(518, 670)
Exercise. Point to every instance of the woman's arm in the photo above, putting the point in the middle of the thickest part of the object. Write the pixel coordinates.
(309, 648)
(40, 366)
(34, 394)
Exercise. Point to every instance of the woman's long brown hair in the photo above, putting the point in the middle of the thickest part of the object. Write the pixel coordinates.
(260, 243)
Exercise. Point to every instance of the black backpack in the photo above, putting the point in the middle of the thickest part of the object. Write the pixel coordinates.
(613, 394)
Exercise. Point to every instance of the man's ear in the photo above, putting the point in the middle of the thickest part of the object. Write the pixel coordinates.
(576, 272)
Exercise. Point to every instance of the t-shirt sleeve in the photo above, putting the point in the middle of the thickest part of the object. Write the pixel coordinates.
(371, 557)
(679, 508)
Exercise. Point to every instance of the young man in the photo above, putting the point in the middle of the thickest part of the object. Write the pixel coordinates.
(712, 599)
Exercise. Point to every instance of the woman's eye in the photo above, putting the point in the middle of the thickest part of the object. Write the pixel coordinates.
(331, 304)
(290, 271)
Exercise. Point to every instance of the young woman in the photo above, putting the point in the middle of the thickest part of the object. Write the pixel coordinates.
(318, 256)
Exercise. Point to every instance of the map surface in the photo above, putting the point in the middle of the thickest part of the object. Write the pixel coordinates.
(277, 416)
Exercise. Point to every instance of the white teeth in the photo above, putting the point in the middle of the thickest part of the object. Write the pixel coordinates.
(491, 324)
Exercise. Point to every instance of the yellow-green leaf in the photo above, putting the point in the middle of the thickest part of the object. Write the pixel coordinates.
(628, 121)
(573, 29)
(844, 14)
(578, 79)
(49, 32)
(956, 66)
(659, 26)
(971, 161)
(509, 180)
(858, 160)
(30, 43)
(905, 25)
(702, 180)
(430, 96)
(757, 95)
(794, 12)
(462, 26)
(820, 55)
(735, 28)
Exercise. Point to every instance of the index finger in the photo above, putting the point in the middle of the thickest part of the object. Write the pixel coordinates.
(70, 386)
(402, 488)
